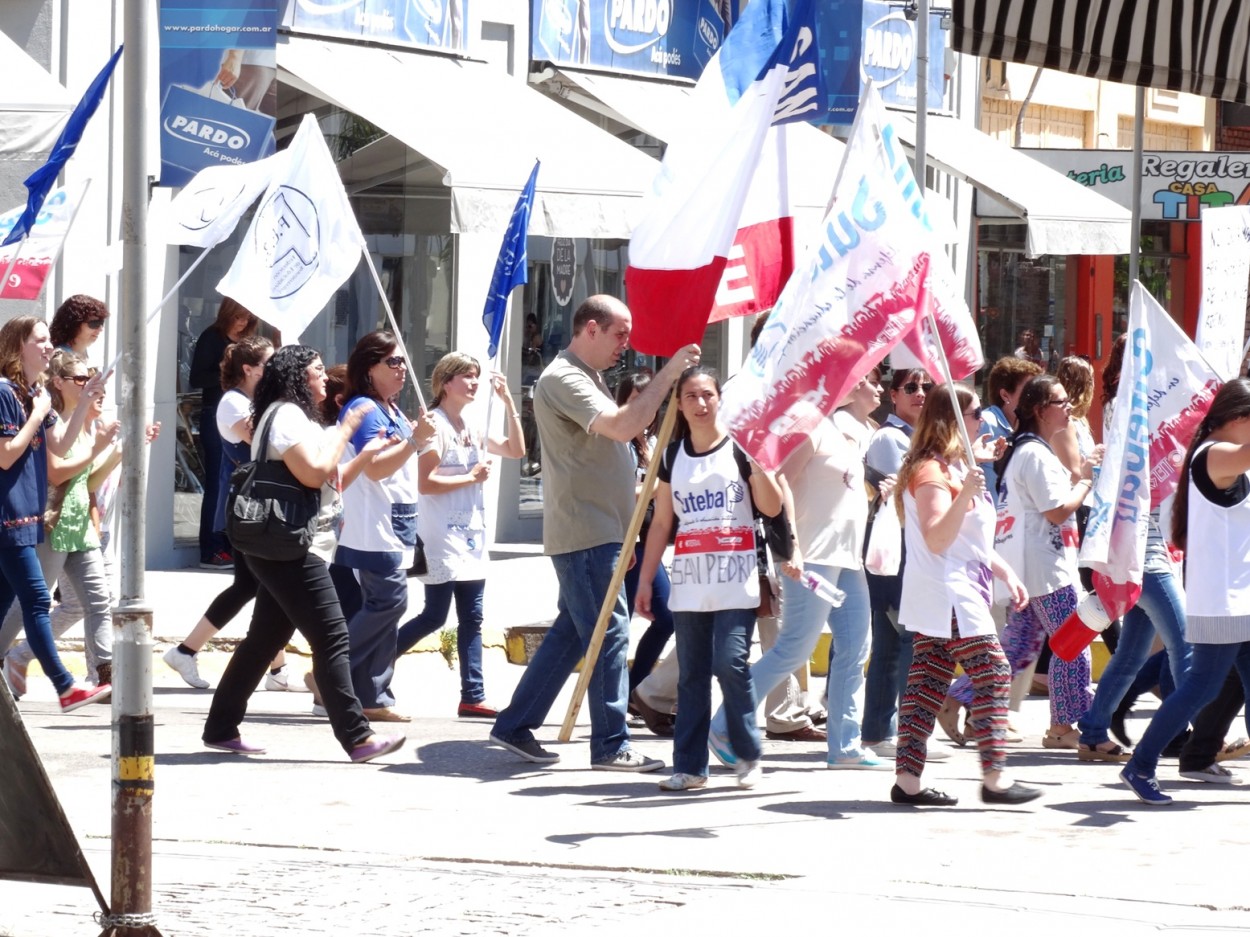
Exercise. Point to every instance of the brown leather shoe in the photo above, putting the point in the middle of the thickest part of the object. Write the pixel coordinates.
(659, 723)
(805, 734)
(386, 714)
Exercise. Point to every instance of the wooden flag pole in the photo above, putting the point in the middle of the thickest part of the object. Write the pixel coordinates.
(622, 565)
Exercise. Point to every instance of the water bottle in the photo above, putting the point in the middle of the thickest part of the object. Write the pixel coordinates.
(823, 588)
(1077, 633)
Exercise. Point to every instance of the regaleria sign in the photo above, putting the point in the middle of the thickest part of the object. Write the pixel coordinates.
(1176, 185)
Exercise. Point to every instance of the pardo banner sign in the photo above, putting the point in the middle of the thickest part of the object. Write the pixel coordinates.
(888, 56)
(437, 24)
(219, 81)
(1176, 185)
(654, 37)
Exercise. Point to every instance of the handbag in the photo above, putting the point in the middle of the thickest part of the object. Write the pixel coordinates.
(270, 514)
(885, 543)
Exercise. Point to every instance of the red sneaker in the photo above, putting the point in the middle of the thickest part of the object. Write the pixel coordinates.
(476, 711)
(78, 696)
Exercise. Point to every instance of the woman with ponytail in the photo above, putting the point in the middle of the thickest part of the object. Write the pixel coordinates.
(1211, 522)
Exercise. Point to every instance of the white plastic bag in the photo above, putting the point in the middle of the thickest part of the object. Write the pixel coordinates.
(215, 92)
(885, 543)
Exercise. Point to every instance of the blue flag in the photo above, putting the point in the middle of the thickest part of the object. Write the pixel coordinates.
(40, 182)
(510, 269)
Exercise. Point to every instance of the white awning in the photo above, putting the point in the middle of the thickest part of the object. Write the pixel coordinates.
(1064, 217)
(33, 105)
(482, 130)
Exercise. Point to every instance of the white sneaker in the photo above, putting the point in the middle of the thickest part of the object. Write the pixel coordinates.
(319, 710)
(1212, 774)
(886, 749)
(186, 667)
(750, 773)
(279, 680)
(683, 782)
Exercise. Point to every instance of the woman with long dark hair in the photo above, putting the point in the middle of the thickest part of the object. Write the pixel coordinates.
(710, 490)
(452, 522)
(380, 532)
(948, 521)
(29, 430)
(1211, 522)
(297, 594)
(1037, 537)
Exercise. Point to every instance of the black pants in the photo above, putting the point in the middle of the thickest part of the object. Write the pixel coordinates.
(1212, 724)
(291, 591)
(230, 600)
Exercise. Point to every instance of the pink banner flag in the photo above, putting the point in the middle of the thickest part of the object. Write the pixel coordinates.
(38, 253)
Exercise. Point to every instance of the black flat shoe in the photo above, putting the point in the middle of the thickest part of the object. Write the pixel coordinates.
(1016, 794)
(928, 797)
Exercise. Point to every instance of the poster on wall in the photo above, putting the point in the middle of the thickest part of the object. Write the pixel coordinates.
(437, 24)
(675, 38)
(219, 84)
(1225, 271)
(563, 269)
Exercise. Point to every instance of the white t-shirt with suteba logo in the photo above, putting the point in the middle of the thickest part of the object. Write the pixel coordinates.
(1041, 553)
(714, 564)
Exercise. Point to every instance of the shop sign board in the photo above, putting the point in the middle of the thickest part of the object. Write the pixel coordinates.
(436, 24)
(888, 55)
(1177, 185)
(218, 84)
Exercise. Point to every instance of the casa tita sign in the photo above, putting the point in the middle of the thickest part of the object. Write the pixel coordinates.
(1176, 186)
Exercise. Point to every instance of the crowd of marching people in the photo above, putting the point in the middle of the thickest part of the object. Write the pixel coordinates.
(941, 535)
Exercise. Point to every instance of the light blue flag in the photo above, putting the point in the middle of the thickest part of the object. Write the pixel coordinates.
(40, 182)
(511, 268)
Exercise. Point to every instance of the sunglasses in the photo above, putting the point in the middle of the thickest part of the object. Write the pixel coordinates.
(912, 387)
(94, 323)
(79, 379)
(1060, 403)
(395, 361)
(974, 414)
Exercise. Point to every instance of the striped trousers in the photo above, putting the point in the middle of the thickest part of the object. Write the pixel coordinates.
(932, 668)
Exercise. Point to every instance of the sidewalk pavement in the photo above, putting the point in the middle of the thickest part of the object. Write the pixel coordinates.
(452, 836)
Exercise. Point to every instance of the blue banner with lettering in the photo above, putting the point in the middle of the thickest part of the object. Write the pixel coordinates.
(675, 38)
(219, 84)
(438, 24)
(889, 55)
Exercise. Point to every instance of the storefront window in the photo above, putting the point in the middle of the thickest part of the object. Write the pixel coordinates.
(1021, 299)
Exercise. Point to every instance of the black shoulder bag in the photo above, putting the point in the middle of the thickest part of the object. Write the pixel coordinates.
(269, 513)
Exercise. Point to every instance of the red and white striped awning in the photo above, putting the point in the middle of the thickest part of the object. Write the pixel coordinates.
(1198, 46)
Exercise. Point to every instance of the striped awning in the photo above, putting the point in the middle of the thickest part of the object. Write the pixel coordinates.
(1198, 46)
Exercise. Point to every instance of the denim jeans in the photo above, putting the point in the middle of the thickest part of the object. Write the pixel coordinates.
(583, 577)
(1161, 608)
(714, 644)
(888, 661)
(651, 644)
(468, 596)
(211, 541)
(803, 617)
(373, 633)
(1209, 665)
(292, 593)
(21, 577)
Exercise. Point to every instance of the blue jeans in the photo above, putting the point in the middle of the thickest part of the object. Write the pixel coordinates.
(468, 596)
(372, 632)
(211, 540)
(803, 617)
(1208, 667)
(714, 644)
(1160, 608)
(21, 577)
(651, 644)
(888, 661)
(583, 577)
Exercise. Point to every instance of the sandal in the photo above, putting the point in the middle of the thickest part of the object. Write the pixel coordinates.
(1233, 750)
(948, 719)
(1096, 753)
(1013, 735)
(1069, 739)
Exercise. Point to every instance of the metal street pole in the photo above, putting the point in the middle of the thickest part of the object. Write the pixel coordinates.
(133, 745)
(922, 90)
(1139, 137)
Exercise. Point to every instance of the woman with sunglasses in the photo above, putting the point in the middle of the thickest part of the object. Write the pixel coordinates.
(78, 324)
(890, 654)
(29, 430)
(1037, 537)
(380, 516)
(70, 551)
(948, 521)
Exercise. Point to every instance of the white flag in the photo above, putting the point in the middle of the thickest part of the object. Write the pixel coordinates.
(857, 293)
(1225, 268)
(205, 212)
(303, 242)
(38, 253)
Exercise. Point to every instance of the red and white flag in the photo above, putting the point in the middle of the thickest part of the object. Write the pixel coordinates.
(717, 234)
(38, 252)
(864, 285)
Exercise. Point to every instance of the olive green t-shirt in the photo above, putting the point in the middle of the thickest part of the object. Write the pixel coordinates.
(588, 479)
(74, 531)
